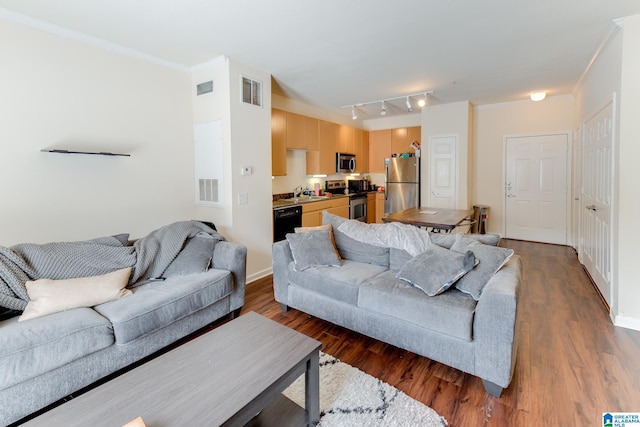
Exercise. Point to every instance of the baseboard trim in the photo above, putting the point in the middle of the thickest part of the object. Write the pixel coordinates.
(627, 322)
(259, 275)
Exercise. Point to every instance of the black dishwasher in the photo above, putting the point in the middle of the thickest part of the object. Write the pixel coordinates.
(285, 219)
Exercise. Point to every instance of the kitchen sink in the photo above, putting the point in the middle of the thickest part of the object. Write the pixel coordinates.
(304, 199)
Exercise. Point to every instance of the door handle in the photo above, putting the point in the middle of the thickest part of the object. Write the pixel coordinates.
(592, 208)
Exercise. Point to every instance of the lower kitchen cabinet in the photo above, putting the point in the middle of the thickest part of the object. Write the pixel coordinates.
(312, 212)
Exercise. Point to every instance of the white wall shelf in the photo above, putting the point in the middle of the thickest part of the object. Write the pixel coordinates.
(96, 153)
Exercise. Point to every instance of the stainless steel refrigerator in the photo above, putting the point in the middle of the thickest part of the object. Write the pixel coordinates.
(402, 184)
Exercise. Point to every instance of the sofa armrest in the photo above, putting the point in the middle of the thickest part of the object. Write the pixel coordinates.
(494, 328)
(282, 257)
(232, 257)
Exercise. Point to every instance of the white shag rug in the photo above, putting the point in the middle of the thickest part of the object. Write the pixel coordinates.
(350, 397)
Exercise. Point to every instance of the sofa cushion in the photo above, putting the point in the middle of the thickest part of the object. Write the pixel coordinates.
(29, 349)
(436, 269)
(320, 227)
(313, 249)
(155, 305)
(195, 256)
(450, 313)
(51, 296)
(338, 283)
(491, 259)
(352, 249)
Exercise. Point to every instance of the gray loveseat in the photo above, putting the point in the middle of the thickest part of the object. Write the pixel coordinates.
(363, 294)
(48, 358)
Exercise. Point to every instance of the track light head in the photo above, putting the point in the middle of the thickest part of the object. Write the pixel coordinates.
(409, 106)
(383, 109)
(422, 102)
(354, 116)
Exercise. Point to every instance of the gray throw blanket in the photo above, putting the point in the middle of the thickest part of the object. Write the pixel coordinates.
(149, 257)
(390, 235)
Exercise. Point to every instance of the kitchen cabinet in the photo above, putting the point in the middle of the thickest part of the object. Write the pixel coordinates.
(402, 138)
(371, 208)
(323, 161)
(379, 207)
(312, 211)
(363, 162)
(278, 143)
(302, 132)
(379, 149)
(345, 139)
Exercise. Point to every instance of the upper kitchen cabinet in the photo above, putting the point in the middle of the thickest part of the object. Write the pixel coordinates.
(302, 132)
(323, 161)
(379, 149)
(361, 150)
(278, 143)
(345, 139)
(402, 138)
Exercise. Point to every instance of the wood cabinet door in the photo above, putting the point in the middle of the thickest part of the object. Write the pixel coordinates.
(328, 147)
(363, 162)
(311, 136)
(278, 143)
(295, 131)
(379, 207)
(414, 134)
(345, 139)
(312, 219)
(371, 208)
(379, 149)
(399, 142)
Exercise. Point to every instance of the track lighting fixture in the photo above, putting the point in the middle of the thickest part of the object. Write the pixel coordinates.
(538, 96)
(394, 105)
(409, 106)
(422, 102)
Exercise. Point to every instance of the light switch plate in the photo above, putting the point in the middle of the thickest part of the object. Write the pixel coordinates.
(243, 198)
(245, 171)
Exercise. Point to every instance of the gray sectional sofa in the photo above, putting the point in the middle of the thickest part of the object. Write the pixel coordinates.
(364, 294)
(48, 358)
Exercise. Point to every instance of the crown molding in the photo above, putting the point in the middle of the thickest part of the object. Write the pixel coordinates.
(210, 63)
(58, 30)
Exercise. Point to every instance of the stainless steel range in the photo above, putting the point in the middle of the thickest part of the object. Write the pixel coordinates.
(357, 200)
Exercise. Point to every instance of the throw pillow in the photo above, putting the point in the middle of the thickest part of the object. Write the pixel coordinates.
(195, 256)
(436, 269)
(491, 258)
(320, 227)
(312, 249)
(51, 296)
(352, 249)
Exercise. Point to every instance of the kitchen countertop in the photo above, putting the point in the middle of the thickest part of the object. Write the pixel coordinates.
(282, 203)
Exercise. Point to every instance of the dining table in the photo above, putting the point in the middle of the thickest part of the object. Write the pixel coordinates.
(436, 219)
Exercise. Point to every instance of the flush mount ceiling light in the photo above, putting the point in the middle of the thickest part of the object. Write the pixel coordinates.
(409, 106)
(538, 96)
(383, 108)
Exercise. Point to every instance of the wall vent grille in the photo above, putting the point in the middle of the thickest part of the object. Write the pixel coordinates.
(208, 190)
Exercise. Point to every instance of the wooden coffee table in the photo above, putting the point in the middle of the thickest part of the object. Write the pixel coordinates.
(224, 377)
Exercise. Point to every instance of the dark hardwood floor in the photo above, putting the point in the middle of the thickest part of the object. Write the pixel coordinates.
(572, 363)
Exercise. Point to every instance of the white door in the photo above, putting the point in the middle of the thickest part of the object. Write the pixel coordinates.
(442, 172)
(536, 188)
(595, 251)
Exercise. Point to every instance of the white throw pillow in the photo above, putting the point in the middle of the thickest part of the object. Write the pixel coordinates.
(51, 296)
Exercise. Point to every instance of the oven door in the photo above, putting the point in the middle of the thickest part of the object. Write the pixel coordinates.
(358, 208)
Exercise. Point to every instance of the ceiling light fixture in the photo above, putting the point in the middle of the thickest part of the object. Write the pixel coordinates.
(383, 108)
(422, 102)
(409, 106)
(538, 96)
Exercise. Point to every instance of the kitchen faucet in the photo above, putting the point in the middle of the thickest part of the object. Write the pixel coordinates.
(297, 191)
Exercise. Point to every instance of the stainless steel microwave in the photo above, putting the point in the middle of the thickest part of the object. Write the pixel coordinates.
(345, 162)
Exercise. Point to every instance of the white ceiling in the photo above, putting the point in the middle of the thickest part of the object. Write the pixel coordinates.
(333, 53)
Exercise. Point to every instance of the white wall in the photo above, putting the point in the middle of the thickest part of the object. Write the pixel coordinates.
(57, 92)
(629, 176)
(491, 124)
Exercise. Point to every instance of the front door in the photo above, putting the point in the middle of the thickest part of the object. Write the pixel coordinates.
(595, 250)
(536, 188)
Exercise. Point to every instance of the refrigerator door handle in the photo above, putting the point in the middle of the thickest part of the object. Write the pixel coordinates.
(386, 178)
